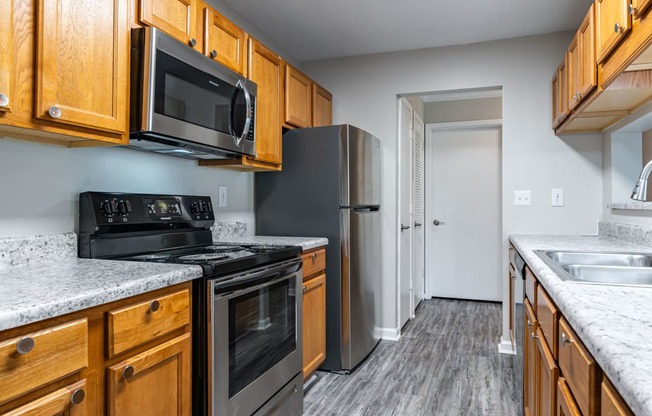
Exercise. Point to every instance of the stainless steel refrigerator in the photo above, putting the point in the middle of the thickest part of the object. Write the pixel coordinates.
(330, 187)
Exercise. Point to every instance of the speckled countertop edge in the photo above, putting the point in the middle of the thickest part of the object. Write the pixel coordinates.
(306, 243)
(34, 292)
(614, 322)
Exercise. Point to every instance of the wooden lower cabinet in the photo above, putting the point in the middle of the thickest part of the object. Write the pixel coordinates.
(69, 401)
(611, 402)
(546, 376)
(154, 382)
(566, 405)
(529, 359)
(314, 310)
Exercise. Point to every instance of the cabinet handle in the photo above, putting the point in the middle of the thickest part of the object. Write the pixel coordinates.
(77, 396)
(54, 111)
(305, 289)
(25, 345)
(314, 258)
(618, 28)
(154, 306)
(632, 10)
(529, 323)
(533, 336)
(565, 339)
(128, 372)
(192, 42)
(213, 53)
(4, 100)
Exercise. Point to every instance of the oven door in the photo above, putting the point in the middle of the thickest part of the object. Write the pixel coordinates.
(256, 336)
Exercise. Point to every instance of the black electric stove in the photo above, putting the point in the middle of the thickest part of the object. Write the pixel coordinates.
(164, 229)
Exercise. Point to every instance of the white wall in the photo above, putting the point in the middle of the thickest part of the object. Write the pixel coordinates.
(627, 162)
(365, 90)
(40, 184)
(464, 110)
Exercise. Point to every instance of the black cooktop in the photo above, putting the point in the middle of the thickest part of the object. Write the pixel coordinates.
(220, 259)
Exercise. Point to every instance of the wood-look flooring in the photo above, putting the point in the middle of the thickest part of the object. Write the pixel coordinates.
(445, 364)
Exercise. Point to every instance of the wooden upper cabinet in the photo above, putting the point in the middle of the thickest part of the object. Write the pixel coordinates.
(178, 18)
(6, 54)
(560, 94)
(224, 41)
(266, 70)
(155, 382)
(322, 106)
(613, 23)
(588, 67)
(82, 51)
(574, 72)
(298, 98)
(639, 7)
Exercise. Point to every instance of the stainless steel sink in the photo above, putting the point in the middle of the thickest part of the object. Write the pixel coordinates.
(601, 259)
(626, 269)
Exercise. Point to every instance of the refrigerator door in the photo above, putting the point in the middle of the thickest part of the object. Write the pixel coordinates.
(359, 167)
(361, 284)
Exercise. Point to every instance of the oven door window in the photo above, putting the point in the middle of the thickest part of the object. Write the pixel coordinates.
(185, 93)
(262, 331)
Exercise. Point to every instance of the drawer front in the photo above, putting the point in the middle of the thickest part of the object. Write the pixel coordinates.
(512, 253)
(566, 405)
(547, 315)
(313, 262)
(41, 357)
(579, 368)
(135, 325)
(531, 287)
(611, 403)
(68, 401)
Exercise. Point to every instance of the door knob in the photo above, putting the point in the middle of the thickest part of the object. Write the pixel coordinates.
(417, 224)
(437, 222)
(404, 227)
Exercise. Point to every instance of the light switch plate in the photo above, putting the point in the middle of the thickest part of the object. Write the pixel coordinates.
(522, 198)
(221, 192)
(557, 198)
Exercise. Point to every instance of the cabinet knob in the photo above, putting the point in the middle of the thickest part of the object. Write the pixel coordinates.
(305, 289)
(4, 100)
(617, 28)
(632, 10)
(54, 111)
(533, 336)
(128, 372)
(314, 258)
(192, 42)
(565, 339)
(25, 345)
(154, 306)
(213, 53)
(529, 323)
(78, 396)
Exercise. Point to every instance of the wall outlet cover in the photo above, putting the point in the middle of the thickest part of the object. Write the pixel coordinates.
(523, 198)
(557, 198)
(221, 192)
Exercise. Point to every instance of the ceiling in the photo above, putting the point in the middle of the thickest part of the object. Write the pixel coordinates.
(317, 29)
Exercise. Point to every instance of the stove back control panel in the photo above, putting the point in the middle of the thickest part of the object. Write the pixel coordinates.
(107, 209)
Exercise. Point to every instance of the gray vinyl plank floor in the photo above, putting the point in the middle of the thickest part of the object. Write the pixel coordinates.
(446, 364)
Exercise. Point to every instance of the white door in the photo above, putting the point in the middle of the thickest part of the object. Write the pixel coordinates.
(418, 275)
(405, 216)
(464, 199)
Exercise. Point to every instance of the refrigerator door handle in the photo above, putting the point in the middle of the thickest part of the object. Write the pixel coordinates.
(366, 209)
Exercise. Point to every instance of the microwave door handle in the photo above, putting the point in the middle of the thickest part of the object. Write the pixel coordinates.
(247, 124)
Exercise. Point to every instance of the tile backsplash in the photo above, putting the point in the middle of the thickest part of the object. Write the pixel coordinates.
(631, 233)
(225, 229)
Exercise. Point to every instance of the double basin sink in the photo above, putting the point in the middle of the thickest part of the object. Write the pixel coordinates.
(627, 269)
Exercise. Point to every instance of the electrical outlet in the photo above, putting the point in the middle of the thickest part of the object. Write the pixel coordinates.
(557, 198)
(522, 198)
(221, 192)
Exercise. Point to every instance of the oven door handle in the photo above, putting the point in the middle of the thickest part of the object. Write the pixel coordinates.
(264, 277)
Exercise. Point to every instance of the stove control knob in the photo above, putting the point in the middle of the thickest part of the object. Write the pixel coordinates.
(124, 207)
(194, 208)
(106, 208)
(210, 207)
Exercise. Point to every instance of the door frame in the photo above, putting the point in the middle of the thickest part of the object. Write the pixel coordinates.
(416, 298)
(431, 129)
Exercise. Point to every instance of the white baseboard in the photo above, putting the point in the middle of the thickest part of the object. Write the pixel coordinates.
(506, 347)
(390, 334)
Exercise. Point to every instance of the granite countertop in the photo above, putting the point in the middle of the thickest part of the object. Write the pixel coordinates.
(614, 322)
(33, 292)
(306, 243)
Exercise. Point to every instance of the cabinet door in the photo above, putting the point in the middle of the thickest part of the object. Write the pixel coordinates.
(588, 67)
(314, 324)
(155, 382)
(613, 23)
(574, 72)
(547, 374)
(69, 401)
(529, 359)
(566, 405)
(6, 54)
(177, 18)
(298, 100)
(224, 41)
(611, 402)
(555, 100)
(266, 70)
(639, 7)
(322, 106)
(82, 54)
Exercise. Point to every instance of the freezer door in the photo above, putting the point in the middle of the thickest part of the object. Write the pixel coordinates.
(360, 167)
(361, 284)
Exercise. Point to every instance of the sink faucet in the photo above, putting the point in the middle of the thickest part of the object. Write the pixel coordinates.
(640, 189)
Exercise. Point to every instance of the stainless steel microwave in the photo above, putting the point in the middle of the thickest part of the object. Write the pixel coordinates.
(186, 104)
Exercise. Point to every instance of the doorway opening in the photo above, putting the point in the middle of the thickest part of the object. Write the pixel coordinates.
(450, 197)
